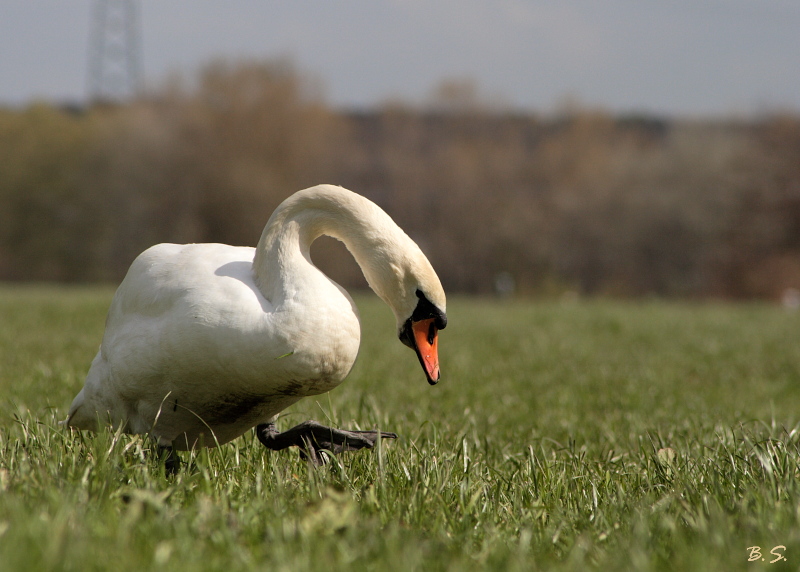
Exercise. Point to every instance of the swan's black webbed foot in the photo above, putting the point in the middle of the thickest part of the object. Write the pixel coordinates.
(313, 438)
(172, 462)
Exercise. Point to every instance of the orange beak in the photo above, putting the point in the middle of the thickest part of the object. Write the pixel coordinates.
(426, 342)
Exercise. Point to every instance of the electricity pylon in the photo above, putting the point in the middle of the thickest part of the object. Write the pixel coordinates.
(114, 73)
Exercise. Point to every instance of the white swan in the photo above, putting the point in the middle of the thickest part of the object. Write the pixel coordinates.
(205, 341)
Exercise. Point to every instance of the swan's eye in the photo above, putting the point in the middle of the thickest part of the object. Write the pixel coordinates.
(425, 309)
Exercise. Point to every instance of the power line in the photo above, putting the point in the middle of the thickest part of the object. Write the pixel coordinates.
(114, 71)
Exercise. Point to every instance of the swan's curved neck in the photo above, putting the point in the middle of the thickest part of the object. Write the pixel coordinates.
(282, 265)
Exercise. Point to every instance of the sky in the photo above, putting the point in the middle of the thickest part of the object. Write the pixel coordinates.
(668, 57)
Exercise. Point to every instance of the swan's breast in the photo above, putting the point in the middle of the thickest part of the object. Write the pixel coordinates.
(323, 341)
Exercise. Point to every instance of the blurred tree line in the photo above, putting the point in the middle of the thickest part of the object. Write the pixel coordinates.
(584, 201)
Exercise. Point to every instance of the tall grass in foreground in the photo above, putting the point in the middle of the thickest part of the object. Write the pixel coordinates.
(597, 435)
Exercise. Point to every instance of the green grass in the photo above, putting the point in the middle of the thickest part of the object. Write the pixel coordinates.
(538, 450)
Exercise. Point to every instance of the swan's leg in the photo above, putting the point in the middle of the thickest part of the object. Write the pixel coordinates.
(172, 462)
(312, 438)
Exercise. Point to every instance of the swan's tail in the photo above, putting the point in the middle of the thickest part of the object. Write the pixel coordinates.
(77, 416)
(83, 413)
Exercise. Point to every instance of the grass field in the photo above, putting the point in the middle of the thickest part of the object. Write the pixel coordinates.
(563, 436)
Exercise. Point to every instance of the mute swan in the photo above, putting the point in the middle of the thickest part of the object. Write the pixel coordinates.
(206, 341)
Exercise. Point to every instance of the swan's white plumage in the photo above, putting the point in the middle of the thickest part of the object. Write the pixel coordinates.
(205, 341)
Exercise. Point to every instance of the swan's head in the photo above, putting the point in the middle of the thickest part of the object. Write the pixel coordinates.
(417, 298)
(420, 332)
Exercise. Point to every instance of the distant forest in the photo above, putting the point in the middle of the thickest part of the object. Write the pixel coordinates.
(580, 202)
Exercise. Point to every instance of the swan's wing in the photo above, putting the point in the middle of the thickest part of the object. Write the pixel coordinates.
(191, 341)
(186, 323)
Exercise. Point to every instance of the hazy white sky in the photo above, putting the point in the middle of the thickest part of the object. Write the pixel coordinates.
(663, 56)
